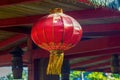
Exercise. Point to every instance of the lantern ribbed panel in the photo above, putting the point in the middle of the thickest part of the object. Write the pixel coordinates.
(56, 32)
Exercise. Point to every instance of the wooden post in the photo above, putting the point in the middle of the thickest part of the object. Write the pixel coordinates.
(115, 63)
(30, 59)
(40, 66)
(65, 70)
(31, 71)
(17, 63)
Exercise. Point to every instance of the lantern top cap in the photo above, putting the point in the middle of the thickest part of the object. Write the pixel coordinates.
(56, 10)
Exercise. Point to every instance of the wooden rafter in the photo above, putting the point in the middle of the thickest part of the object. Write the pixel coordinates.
(96, 44)
(79, 15)
(9, 2)
(94, 67)
(107, 33)
(95, 28)
(101, 27)
(93, 53)
(90, 61)
(103, 49)
(5, 60)
(12, 40)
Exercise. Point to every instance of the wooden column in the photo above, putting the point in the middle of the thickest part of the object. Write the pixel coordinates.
(65, 70)
(40, 66)
(115, 64)
(30, 59)
(31, 71)
(17, 63)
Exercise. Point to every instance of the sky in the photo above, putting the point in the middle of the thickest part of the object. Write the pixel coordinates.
(5, 70)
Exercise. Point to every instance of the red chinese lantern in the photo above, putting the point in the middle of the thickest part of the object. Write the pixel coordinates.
(55, 33)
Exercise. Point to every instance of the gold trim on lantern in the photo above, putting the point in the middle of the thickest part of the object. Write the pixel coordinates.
(56, 10)
(45, 46)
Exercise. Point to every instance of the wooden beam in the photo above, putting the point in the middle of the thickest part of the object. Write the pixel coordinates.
(10, 2)
(108, 46)
(80, 51)
(91, 68)
(97, 66)
(93, 53)
(87, 29)
(5, 60)
(101, 27)
(95, 44)
(40, 53)
(6, 51)
(106, 57)
(79, 15)
(17, 29)
(103, 67)
(19, 21)
(93, 13)
(12, 40)
(107, 70)
(107, 33)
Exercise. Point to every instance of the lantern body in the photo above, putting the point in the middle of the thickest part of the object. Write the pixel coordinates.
(56, 31)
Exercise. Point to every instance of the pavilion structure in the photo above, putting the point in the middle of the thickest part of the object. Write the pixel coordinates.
(98, 50)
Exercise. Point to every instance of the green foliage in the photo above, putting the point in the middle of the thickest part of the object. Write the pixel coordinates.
(100, 2)
(116, 76)
(79, 75)
(75, 75)
(96, 76)
(25, 74)
(9, 76)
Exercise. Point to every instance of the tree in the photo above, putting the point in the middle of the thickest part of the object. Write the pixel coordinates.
(96, 76)
(75, 75)
(113, 76)
(82, 75)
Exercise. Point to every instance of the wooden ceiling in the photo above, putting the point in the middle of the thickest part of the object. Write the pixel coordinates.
(101, 32)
